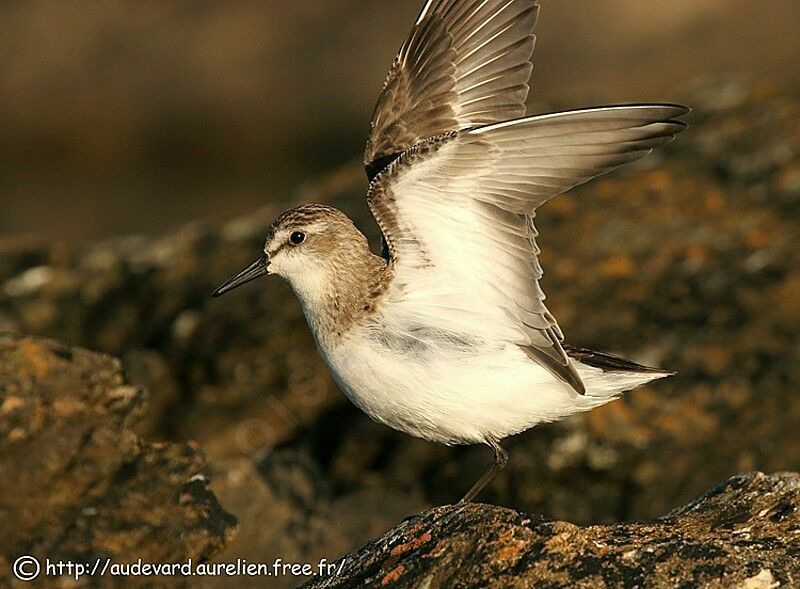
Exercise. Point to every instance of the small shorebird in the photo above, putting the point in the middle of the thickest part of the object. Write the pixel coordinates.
(446, 336)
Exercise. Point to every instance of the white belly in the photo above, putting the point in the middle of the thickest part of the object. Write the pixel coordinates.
(453, 395)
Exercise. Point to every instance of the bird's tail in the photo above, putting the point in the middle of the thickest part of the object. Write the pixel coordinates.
(607, 376)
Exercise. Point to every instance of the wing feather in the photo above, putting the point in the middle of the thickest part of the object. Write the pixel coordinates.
(457, 216)
(465, 63)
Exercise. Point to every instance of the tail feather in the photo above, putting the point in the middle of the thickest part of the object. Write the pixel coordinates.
(610, 363)
(607, 376)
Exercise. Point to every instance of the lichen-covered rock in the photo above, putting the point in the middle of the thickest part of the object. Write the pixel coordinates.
(689, 260)
(76, 483)
(288, 511)
(743, 533)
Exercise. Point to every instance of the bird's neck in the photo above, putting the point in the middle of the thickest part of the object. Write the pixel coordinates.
(352, 292)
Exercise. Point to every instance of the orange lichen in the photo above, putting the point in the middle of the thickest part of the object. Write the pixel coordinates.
(393, 575)
(618, 267)
(659, 180)
(509, 549)
(715, 201)
(757, 238)
(36, 356)
(411, 544)
(696, 256)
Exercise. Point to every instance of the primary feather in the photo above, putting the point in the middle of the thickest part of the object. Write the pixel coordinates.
(465, 63)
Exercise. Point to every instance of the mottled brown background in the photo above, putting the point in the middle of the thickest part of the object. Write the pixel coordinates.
(125, 116)
(120, 118)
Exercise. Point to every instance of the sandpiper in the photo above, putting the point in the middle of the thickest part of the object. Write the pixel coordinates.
(445, 335)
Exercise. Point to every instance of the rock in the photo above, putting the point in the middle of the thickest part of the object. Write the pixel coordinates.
(688, 260)
(289, 511)
(743, 533)
(77, 484)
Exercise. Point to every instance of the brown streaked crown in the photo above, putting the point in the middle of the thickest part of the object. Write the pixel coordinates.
(309, 214)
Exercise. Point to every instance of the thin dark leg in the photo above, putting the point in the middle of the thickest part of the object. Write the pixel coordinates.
(500, 461)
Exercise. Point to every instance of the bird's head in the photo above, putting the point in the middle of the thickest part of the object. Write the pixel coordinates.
(310, 246)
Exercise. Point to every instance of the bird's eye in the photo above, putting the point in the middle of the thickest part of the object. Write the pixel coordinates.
(297, 238)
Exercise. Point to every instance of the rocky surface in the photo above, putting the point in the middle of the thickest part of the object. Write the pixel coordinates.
(743, 533)
(77, 484)
(689, 260)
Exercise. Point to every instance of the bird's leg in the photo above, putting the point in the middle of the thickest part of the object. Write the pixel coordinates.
(500, 461)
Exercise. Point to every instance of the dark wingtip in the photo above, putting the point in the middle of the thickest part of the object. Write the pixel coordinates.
(563, 370)
(579, 387)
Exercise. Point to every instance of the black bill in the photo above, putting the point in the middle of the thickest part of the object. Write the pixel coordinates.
(253, 271)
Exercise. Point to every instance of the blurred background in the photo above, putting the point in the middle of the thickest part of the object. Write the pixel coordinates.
(145, 147)
(120, 117)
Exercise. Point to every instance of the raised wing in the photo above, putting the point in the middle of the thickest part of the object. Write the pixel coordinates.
(465, 63)
(457, 215)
